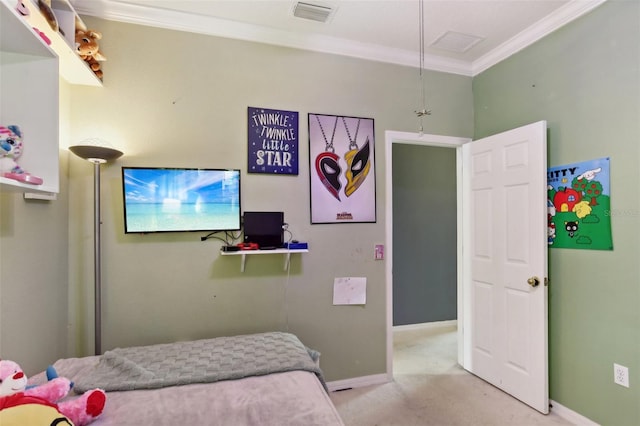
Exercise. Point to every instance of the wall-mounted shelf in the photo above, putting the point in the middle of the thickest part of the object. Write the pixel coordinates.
(30, 72)
(245, 253)
(29, 85)
(71, 68)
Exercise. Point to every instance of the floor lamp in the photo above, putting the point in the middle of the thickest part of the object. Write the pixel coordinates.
(96, 153)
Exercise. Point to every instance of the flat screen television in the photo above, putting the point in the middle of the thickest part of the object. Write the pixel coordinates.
(160, 199)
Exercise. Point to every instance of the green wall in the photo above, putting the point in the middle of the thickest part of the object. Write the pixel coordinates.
(180, 99)
(174, 98)
(584, 79)
(33, 279)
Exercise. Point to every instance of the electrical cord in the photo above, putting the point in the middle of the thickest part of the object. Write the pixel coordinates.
(230, 238)
(213, 236)
(228, 235)
(286, 292)
(285, 228)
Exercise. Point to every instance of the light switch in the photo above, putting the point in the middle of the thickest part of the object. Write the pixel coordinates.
(379, 252)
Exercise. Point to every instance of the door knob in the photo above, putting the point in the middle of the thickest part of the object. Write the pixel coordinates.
(533, 281)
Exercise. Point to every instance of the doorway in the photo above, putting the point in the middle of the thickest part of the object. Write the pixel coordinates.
(424, 235)
(501, 305)
(391, 138)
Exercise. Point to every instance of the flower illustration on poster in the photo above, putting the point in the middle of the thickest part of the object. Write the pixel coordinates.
(579, 206)
(273, 141)
(342, 169)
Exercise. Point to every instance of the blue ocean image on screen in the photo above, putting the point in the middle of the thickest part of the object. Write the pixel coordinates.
(159, 200)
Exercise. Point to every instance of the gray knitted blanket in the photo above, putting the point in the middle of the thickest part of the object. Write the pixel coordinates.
(199, 361)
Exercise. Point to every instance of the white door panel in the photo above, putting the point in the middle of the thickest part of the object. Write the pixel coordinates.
(505, 246)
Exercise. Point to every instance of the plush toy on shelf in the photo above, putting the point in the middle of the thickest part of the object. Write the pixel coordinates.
(14, 394)
(10, 151)
(22, 8)
(47, 12)
(89, 50)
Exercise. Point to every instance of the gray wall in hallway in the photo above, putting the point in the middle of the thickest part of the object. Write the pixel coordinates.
(424, 234)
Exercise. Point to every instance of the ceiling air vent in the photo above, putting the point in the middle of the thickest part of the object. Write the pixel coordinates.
(313, 12)
(456, 42)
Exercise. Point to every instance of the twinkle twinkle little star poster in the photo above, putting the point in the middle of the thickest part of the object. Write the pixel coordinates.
(579, 206)
(273, 141)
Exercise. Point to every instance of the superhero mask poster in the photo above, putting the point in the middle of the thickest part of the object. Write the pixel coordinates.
(579, 206)
(342, 169)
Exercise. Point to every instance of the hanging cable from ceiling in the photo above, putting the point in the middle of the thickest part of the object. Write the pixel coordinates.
(423, 111)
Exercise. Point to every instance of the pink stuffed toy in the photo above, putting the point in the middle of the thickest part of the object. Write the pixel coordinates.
(81, 411)
(10, 150)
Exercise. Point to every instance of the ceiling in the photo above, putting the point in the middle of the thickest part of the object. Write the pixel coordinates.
(460, 36)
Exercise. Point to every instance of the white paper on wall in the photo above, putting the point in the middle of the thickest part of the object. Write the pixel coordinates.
(350, 291)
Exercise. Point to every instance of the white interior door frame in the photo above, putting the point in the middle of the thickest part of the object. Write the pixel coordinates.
(426, 140)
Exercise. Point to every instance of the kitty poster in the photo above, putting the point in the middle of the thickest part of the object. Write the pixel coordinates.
(579, 206)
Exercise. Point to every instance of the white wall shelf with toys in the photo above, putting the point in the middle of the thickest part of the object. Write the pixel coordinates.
(72, 68)
(245, 253)
(29, 83)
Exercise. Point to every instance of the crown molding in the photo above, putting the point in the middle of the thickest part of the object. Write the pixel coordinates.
(181, 21)
(540, 29)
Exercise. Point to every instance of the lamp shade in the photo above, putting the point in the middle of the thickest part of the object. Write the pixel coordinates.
(94, 153)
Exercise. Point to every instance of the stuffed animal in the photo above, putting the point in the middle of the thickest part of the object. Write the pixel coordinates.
(89, 50)
(21, 410)
(22, 8)
(10, 151)
(81, 410)
(51, 374)
(47, 12)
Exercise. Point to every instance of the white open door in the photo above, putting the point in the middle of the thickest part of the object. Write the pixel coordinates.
(505, 262)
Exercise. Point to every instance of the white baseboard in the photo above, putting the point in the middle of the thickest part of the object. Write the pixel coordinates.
(570, 415)
(424, 325)
(357, 382)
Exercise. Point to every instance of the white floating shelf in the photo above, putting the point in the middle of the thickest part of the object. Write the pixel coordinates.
(245, 253)
(29, 85)
(72, 69)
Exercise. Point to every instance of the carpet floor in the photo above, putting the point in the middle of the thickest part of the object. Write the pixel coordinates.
(430, 388)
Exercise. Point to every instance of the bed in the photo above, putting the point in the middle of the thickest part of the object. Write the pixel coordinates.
(257, 379)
